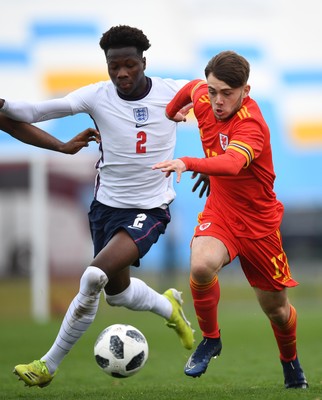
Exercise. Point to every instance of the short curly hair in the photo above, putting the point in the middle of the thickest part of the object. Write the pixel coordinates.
(124, 36)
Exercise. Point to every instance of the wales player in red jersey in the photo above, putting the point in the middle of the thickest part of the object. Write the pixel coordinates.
(242, 216)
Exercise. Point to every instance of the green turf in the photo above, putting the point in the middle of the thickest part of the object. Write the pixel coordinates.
(248, 367)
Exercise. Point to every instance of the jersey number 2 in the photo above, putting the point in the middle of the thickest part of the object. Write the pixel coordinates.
(140, 144)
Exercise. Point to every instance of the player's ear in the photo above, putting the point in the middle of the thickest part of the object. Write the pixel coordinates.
(246, 91)
(144, 62)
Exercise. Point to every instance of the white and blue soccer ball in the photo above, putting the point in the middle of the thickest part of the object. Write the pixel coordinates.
(121, 350)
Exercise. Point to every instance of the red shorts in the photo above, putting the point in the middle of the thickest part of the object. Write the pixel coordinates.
(263, 260)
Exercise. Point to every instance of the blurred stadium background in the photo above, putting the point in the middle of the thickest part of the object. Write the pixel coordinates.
(50, 48)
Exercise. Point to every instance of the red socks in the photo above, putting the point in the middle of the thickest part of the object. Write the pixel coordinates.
(206, 298)
(286, 337)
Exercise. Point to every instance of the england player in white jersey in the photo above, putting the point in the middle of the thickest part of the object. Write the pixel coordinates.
(134, 136)
(130, 207)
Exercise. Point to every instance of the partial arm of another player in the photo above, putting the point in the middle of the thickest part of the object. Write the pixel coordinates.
(181, 114)
(177, 111)
(35, 136)
(180, 105)
(203, 180)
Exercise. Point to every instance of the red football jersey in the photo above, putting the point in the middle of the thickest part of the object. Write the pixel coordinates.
(244, 198)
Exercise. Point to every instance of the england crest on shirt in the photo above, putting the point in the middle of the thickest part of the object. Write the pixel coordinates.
(141, 115)
(223, 141)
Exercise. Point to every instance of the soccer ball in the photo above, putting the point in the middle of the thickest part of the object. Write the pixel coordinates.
(121, 350)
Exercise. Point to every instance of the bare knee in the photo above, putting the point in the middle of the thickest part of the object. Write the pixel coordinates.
(208, 256)
(202, 272)
(275, 305)
(204, 269)
(279, 315)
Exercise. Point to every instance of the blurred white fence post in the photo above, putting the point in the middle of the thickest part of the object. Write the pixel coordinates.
(39, 242)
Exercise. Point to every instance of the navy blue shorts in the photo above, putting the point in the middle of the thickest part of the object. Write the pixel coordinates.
(144, 226)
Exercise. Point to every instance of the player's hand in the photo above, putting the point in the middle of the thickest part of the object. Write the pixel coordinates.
(181, 114)
(203, 180)
(81, 140)
(177, 166)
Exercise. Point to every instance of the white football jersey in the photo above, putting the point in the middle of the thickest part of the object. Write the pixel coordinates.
(135, 135)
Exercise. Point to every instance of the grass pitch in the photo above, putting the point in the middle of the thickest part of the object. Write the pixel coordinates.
(248, 367)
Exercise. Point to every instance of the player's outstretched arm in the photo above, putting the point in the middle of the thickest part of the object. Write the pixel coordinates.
(35, 136)
(177, 166)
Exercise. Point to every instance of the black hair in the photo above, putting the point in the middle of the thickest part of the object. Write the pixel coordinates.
(124, 36)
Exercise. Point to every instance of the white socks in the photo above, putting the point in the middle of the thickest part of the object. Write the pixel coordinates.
(79, 316)
(82, 310)
(140, 297)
